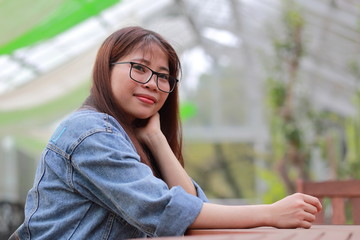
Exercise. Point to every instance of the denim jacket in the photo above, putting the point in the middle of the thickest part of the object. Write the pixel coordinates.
(90, 184)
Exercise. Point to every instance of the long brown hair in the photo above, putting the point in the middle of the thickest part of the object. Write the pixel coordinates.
(117, 45)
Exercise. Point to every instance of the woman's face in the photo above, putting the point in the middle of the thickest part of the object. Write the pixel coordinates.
(138, 100)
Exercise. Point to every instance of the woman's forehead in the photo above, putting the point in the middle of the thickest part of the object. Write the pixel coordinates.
(149, 52)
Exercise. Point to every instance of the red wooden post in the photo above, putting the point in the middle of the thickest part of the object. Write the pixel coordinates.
(338, 211)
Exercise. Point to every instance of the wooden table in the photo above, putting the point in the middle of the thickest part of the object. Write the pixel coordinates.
(317, 232)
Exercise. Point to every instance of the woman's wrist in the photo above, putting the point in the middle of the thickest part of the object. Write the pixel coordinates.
(154, 140)
(268, 216)
(260, 215)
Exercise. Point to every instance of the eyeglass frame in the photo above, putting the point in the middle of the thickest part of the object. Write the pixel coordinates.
(152, 73)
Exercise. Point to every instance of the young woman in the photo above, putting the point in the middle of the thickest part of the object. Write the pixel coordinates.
(114, 168)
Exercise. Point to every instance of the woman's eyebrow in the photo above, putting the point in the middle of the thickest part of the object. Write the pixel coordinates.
(164, 69)
(141, 60)
(146, 62)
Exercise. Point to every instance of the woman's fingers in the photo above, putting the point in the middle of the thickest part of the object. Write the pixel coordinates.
(306, 220)
(310, 208)
(307, 206)
(309, 217)
(305, 224)
(313, 201)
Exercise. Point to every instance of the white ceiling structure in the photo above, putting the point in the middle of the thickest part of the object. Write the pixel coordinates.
(212, 34)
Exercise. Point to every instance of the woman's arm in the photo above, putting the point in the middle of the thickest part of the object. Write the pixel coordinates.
(297, 210)
(171, 170)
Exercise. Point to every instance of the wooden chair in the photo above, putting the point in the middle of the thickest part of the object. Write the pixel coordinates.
(338, 192)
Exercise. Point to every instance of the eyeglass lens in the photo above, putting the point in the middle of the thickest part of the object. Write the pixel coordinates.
(141, 73)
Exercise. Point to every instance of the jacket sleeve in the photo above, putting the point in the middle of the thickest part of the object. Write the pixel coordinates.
(108, 171)
(200, 193)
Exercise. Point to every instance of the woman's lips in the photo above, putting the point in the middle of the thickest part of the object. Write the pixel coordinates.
(146, 98)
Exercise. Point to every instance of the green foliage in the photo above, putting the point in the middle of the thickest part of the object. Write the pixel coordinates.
(278, 140)
(352, 128)
(289, 46)
(276, 189)
(287, 110)
(353, 147)
(354, 68)
(203, 165)
(292, 16)
(293, 134)
(276, 93)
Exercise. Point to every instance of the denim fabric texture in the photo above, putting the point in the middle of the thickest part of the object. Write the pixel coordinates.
(90, 184)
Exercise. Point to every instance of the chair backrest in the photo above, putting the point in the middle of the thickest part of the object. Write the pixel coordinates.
(338, 192)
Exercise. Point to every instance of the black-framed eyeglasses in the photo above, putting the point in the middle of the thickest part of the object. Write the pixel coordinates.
(142, 74)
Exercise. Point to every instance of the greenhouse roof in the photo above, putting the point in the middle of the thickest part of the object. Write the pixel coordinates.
(45, 61)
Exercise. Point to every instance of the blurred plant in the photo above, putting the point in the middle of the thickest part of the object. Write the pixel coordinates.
(352, 126)
(289, 150)
(296, 127)
(276, 188)
(329, 138)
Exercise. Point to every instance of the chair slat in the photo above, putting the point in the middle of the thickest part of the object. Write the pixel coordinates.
(355, 203)
(348, 188)
(338, 211)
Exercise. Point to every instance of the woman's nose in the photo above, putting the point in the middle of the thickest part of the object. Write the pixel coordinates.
(152, 82)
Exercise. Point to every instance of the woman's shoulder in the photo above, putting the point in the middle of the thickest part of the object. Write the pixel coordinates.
(87, 119)
(83, 123)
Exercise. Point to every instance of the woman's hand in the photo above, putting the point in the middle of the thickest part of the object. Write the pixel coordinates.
(149, 130)
(171, 170)
(297, 210)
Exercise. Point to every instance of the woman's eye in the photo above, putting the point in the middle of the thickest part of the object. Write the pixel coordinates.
(139, 67)
(163, 77)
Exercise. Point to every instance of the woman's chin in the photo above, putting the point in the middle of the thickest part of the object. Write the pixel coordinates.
(143, 117)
